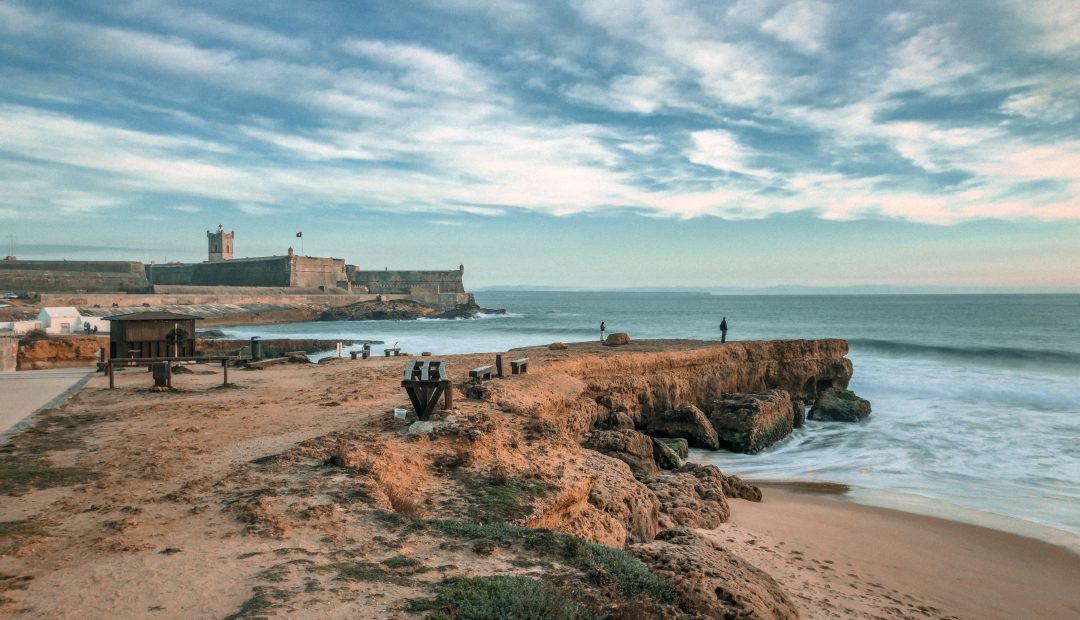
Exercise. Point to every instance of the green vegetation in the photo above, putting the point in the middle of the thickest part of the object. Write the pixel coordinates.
(500, 598)
(20, 474)
(366, 571)
(503, 500)
(18, 529)
(629, 576)
(260, 602)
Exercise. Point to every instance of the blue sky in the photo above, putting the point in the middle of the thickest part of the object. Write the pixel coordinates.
(607, 143)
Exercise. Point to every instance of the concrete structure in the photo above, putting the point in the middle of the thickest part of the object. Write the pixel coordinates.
(221, 244)
(81, 281)
(9, 353)
(28, 391)
(61, 320)
(19, 327)
(274, 271)
(72, 276)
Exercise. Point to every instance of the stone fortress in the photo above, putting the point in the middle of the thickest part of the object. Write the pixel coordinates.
(222, 278)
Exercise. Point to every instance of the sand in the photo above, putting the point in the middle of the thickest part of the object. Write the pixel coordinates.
(839, 559)
(161, 530)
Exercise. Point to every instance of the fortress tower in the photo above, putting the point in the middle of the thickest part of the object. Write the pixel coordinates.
(221, 244)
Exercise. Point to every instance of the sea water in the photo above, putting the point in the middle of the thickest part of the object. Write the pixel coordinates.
(976, 398)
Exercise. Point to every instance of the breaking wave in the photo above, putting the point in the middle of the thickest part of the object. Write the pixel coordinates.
(997, 356)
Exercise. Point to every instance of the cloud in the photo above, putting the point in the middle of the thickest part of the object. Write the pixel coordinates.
(803, 25)
(665, 107)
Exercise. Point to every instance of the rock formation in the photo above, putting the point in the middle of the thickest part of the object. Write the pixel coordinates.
(752, 422)
(630, 447)
(687, 422)
(712, 582)
(840, 406)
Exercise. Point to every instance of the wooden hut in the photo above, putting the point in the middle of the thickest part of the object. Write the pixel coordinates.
(152, 334)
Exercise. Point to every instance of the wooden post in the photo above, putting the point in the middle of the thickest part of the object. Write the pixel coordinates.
(498, 364)
(225, 366)
(168, 374)
(111, 383)
(448, 399)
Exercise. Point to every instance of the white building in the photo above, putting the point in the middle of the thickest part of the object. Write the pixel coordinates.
(19, 327)
(62, 320)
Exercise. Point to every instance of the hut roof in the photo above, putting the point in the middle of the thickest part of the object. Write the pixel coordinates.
(153, 316)
(59, 311)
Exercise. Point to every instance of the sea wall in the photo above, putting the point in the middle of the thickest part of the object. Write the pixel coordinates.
(91, 300)
(424, 286)
(51, 276)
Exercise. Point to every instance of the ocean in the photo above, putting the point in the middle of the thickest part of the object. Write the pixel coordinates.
(976, 398)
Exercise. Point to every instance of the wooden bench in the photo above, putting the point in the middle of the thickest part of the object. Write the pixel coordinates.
(389, 352)
(519, 366)
(483, 373)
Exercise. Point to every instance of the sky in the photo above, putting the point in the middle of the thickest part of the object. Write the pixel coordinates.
(605, 144)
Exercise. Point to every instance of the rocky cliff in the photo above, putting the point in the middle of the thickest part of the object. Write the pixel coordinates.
(60, 351)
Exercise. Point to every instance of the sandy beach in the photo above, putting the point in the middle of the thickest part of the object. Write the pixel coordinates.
(296, 493)
(840, 559)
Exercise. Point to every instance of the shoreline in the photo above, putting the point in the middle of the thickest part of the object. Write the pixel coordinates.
(840, 558)
(924, 506)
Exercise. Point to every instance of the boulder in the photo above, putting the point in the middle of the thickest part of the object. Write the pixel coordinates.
(678, 444)
(630, 447)
(798, 412)
(839, 405)
(693, 496)
(557, 346)
(664, 456)
(687, 422)
(751, 422)
(617, 339)
(710, 581)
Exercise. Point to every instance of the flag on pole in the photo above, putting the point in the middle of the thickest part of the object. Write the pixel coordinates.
(299, 234)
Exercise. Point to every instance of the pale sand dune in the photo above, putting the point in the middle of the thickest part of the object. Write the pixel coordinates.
(838, 559)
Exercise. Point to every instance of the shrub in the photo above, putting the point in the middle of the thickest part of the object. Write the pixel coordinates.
(630, 576)
(501, 597)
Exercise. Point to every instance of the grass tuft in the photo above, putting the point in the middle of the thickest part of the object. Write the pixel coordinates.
(500, 597)
(629, 575)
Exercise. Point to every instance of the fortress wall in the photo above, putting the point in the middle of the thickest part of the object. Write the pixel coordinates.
(309, 272)
(177, 289)
(135, 301)
(265, 271)
(48, 276)
(417, 283)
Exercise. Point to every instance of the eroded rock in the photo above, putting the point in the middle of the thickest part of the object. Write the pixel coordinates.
(692, 496)
(615, 492)
(665, 456)
(678, 444)
(839, 405)
(687, 422)
(712, 582)
(631, 447)
(751, 422)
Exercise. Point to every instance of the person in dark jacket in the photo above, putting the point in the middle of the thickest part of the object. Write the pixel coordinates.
(602, 326)
(723, 330)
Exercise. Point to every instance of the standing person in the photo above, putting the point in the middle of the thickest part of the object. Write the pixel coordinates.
(602, 326)
(723, 330)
